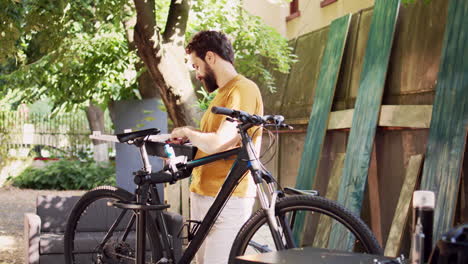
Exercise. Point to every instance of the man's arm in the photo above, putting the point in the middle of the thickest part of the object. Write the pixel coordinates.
(224, 138)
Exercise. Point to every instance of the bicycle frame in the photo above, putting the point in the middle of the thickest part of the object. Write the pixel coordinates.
(245, 160)
(238, 169)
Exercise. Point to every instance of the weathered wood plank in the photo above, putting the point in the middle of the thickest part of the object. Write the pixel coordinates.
(297, 99)
(366, 114)
(329, 70)
(324, 226)
(400, 218)
(447, 135)
(414, 116)
(374, 197)
(341, 119)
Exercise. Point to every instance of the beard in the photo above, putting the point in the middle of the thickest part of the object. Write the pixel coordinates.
(209, 80)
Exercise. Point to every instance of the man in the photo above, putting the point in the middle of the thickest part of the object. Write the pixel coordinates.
(212, 56)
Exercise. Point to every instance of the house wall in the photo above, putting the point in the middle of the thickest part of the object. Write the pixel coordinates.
(273, 13)
(312, 16)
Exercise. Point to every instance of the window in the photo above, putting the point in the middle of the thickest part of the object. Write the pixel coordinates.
(324, 3)
(293, 10)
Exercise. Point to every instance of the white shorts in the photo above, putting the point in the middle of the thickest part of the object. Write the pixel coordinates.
(217, 245)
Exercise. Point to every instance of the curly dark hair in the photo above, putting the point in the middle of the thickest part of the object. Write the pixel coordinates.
(213, 41)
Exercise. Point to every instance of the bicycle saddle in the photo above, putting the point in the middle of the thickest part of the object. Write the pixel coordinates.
(124, 137)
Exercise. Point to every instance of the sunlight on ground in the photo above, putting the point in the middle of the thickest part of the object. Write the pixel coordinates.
(7, 242)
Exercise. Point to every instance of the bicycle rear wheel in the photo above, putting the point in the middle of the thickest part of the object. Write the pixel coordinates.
(319, 215)
(89, 237)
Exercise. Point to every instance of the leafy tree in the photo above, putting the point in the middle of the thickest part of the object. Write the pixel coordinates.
(87, 68)
(86, 53)
(88, 71)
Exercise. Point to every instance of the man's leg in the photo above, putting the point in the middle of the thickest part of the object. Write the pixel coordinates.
(221, 237)
(217, 245)
(198, 207)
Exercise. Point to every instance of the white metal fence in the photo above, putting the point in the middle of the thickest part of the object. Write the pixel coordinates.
(68, 134)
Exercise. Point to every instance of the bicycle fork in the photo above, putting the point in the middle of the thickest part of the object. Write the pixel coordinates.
(279, 227)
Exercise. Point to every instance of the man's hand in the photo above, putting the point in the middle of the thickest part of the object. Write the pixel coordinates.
(182, 132)
(224, 138)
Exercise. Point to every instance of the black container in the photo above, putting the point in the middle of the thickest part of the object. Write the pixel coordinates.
(157, 149)
(423, 213)
(452, 248)
(426, 215)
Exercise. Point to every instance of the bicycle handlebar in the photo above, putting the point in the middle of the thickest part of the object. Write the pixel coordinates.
(246, 118)
(222, 111)
(242, 116)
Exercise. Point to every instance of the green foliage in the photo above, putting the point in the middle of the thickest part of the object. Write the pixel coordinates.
(85, 69)
(10, 27)
(162, 10)
(66, 175)
(51, 22)
(205, 99)
(72, 52)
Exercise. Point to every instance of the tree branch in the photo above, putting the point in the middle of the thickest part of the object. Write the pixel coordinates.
(129, 23)
(95, 117)
(177, 22)
(165, 64)
(146, 21)
(145, 83)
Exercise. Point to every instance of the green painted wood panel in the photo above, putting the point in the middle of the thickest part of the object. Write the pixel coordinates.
(357, 65)
(329, 70)
(447, 135)
(346, 72)
(318, 121)
(361, 138)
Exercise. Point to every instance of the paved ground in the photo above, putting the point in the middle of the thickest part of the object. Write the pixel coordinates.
(14, 203)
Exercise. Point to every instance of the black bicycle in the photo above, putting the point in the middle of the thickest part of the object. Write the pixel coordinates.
(138, 229)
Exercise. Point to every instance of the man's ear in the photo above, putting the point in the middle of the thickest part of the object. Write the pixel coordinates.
(210, 57)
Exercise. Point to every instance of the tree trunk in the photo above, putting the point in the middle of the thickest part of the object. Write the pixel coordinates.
(111, 108)
(145, 82)
(165, 59)
(95, 117)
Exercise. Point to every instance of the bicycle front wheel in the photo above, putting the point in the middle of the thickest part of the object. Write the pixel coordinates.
(317, 216)
(97, 233)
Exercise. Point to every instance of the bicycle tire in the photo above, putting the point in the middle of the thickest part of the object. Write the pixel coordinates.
(315, 204)
(102, 194)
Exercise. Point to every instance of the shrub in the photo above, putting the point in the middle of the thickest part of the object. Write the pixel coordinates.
(66, 175)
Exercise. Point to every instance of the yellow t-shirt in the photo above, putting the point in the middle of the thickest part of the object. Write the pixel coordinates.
(239, 93)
